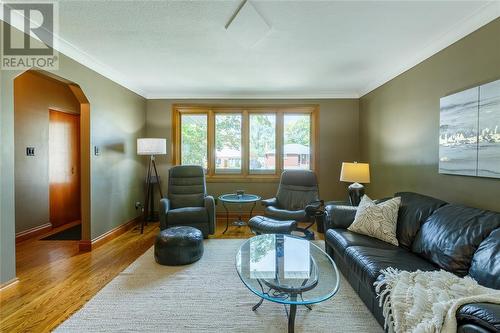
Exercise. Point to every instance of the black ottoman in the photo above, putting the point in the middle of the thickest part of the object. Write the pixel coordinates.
(266, 225)
(178, 246)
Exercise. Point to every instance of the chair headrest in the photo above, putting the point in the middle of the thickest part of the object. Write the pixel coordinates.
(186, 171)
(299, 178)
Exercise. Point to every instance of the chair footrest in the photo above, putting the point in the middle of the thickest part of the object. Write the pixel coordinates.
(266, 225)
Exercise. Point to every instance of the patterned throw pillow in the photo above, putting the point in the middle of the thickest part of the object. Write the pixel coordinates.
(378, 221)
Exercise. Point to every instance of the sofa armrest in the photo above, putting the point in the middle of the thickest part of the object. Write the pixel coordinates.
(339, 216)
(209, 203)
(484, 315)
(269, 202)
(164, 208)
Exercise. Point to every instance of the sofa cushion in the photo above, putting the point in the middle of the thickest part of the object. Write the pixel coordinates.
(414, 210)
(452, 234)
(485, 315)
(341, 239)
(190, 215)
(377, 220)
(485, 266)
(367, 262)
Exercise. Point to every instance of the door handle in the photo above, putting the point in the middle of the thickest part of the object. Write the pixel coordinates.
(72, 170)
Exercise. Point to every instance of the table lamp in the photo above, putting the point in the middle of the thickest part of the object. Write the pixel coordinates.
(151, 147)
(355, 173)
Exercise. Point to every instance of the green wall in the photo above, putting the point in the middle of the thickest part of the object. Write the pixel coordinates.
(118, 117)
(7, 222)
(399, 122)
(338, 141)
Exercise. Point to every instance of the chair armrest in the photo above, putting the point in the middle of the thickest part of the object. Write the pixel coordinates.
(484, 315)
(339, 216)
(209, 203)
(164, 208)
(269, 202)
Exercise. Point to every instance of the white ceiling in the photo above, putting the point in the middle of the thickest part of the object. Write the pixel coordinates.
(316, 49)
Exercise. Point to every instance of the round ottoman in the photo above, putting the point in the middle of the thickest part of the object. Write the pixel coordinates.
(178, 246)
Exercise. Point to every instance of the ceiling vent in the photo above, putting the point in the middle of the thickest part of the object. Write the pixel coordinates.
(247, 26)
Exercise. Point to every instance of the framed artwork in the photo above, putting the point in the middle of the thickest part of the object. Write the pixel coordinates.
(469, 132)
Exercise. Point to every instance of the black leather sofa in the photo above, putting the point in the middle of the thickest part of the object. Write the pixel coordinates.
(432, 235)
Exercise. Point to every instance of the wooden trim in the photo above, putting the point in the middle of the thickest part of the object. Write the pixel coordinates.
(315, 142)
(254, 178)
(194, 107)
(279, 142)
(176, 148)
(86, 245)
(85, 157)
(8, 284)
(245, 142)
(210, 143)
(85, 164)
(33, 232)
(245, 176)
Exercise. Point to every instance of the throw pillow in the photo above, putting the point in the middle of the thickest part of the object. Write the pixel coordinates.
(378, 221)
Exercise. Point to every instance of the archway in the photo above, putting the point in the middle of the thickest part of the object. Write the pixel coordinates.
(80, 102)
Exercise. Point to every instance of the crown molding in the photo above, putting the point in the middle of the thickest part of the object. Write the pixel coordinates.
(473, 22)
(281, 95)
(82, 57)
(90, 62)
(476, 20)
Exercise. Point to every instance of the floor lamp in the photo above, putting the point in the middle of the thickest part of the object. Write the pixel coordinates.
(151, 147)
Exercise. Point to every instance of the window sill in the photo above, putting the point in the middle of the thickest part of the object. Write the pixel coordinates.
(243, 179)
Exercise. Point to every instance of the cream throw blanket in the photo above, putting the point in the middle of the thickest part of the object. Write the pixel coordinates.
(421, 302)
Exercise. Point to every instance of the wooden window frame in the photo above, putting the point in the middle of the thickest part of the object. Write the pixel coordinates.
(245, 176)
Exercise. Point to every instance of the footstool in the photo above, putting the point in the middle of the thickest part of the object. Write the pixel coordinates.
(178, 246)
(266, 225)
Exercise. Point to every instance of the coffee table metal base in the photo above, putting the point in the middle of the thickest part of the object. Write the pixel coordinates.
(291, 314)
(239, 222)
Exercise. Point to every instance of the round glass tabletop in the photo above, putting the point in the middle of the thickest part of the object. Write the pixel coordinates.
(239, 198)
(287, 269)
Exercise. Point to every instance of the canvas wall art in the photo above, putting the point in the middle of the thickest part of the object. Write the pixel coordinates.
(469, 132)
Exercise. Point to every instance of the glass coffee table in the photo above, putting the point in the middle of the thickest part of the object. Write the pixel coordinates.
(288, 270)
(240, 200)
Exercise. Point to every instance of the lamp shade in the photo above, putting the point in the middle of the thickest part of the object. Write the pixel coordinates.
(355, 172)
(151, 146)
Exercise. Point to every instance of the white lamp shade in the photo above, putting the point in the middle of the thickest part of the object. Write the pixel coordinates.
(355, 172)
(151, 146)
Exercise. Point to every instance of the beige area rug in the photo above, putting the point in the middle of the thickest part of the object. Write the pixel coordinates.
(206, 296)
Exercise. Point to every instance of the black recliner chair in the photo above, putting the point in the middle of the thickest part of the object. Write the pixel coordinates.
(297, 200)
(296, 190)
(187, 203)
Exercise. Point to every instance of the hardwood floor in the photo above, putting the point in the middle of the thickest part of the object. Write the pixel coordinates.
(55, 280)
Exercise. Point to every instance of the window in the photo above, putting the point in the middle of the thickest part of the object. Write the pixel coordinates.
(228, 143)
(245, 142)
(262, 143)
(194, 129)
(297, 141)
